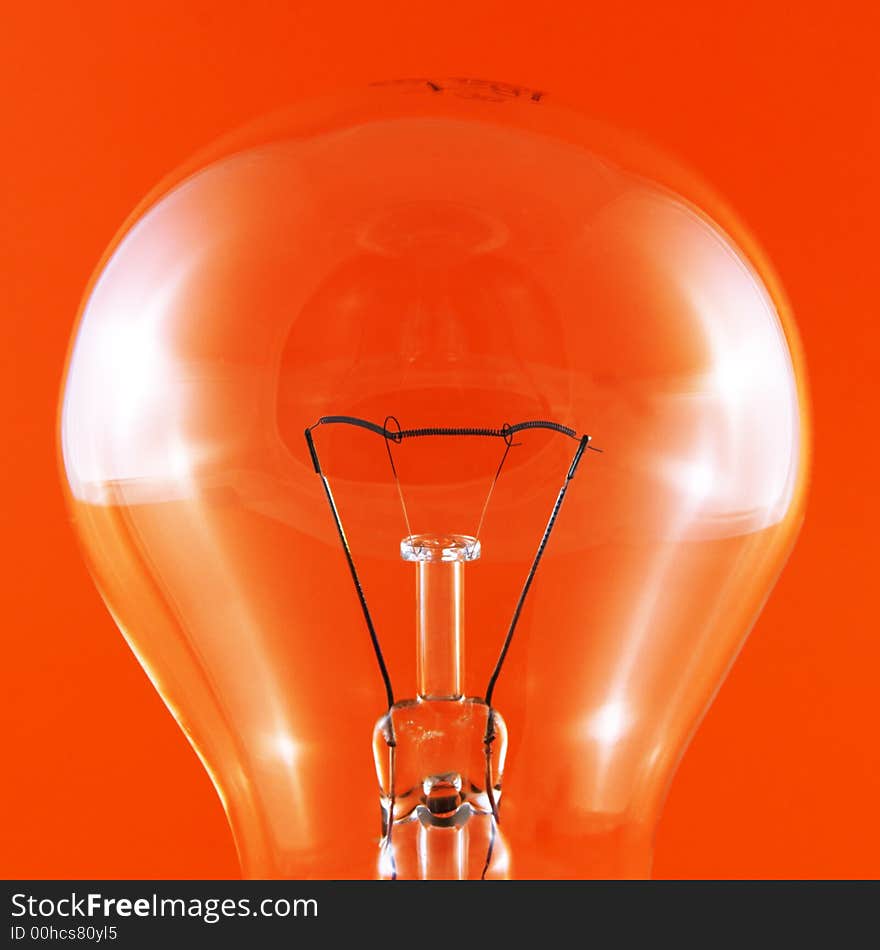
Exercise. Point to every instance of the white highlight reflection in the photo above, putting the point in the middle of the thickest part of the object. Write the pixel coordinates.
(287, 749)
(609, 723)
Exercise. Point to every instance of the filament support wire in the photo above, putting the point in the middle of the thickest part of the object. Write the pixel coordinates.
(393, 434)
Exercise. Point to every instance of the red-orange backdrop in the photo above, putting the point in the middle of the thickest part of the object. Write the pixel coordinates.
(776, 106)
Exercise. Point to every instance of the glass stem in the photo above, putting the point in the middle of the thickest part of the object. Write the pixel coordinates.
(440, 628)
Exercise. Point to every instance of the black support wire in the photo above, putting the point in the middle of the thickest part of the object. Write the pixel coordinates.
(377, 649)
(398, 434)
(554, 514)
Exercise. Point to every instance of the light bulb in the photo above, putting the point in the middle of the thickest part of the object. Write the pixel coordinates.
(439, 636)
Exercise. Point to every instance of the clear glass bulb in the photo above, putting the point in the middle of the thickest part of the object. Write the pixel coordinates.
(435, 255)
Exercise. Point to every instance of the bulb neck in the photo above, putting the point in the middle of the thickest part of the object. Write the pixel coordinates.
(440, 561)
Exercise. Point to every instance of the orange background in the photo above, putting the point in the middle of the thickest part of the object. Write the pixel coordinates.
(776, 106)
